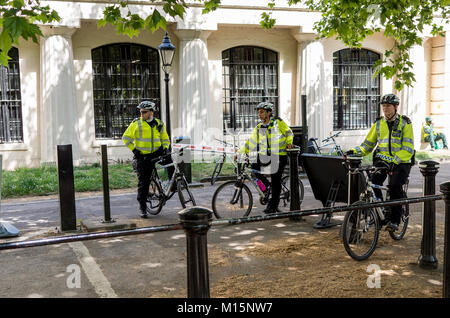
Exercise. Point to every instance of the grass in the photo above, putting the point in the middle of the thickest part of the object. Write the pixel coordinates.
(44, 180)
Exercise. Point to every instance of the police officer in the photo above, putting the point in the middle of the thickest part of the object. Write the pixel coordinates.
(431, 136)
(270, 139)
(394, 135)
(147, 138)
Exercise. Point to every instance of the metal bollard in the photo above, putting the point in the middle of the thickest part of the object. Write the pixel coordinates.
(353, 180)
(445, 189)
(293, 173)
(66, 188)
(427, 258)
(196, 222)
(105, 178)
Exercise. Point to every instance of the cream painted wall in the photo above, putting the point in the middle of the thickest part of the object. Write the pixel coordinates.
(278, 40)
(26, 153)
(88, 37)
(317, 84)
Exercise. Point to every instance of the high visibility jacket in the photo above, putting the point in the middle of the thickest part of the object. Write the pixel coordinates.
(269, 140)
(395, 145)
(146, 137)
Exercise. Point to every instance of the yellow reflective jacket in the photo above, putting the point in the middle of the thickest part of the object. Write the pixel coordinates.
(269, 140)
(146, 137)
(396, 145)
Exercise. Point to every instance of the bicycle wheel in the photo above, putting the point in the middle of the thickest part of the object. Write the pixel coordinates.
(232, 200)
(184, 193)
(360, 231)
(404, 220)
(216, 172)
(285, 189)
(155, 198)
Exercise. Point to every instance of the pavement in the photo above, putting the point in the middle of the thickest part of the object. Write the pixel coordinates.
(142, 266)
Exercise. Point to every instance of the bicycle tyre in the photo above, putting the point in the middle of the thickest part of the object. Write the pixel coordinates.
(184, 193)
(360, 232)
(155, 198)
(216, 172)
(404, 220)
(232, 201)
(285, 189)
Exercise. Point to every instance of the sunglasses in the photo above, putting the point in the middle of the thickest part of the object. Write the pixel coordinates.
(144, 111)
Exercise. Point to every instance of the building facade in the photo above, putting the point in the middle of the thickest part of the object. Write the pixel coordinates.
(80, 85)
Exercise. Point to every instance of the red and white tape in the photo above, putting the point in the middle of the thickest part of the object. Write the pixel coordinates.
(230, 150)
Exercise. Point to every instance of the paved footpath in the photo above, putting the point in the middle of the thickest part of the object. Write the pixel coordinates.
(132, 266)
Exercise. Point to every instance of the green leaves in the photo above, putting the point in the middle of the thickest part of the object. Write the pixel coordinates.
(17, 20)
(352, 21)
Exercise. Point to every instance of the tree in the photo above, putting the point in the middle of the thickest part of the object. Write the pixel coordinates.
(350, 21)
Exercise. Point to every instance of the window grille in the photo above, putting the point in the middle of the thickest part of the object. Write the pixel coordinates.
(356, 93)
(250, 76)
(123, 75)
(11, 129)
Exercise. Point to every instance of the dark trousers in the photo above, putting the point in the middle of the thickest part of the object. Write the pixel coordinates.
(275, 178)
(398, 178)
(144, 169)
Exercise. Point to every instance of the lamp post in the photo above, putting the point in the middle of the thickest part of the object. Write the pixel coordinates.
(167, 52)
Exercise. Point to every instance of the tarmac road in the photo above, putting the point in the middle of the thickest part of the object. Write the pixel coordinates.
(134, 266)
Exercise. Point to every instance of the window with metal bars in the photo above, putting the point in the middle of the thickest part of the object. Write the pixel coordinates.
(250, 76)
(356, 93)
(11, 126)
(124, 74)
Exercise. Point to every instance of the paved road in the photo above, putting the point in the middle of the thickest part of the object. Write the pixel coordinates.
(133, 266)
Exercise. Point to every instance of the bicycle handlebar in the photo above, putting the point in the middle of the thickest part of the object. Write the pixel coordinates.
(332, 137)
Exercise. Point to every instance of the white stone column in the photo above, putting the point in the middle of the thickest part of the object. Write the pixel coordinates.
(194, 105)
(58, 109)
(414, 99)
(316, 86)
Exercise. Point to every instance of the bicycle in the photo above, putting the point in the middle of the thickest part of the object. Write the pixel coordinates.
(234, 199)
(159, 195)
(221, 161)
(313, 147)
(360, 229)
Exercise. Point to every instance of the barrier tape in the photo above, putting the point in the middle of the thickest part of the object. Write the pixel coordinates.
(230, 150)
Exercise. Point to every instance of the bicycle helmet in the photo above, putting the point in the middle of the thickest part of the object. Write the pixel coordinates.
(390, 99)
(147, 105)
(428, 119)
(266, 106)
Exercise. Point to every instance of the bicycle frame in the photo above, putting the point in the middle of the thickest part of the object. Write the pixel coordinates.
(175, 176)
(335, 147)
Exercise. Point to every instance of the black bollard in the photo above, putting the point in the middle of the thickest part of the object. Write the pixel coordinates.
(293, 178)
(66, 188)
(445, 189)
(105, 178)
(196, 222)
(427, 258)
(353, 180)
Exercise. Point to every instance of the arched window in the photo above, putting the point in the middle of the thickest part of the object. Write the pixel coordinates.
(250, 76)
(356, 93)
(11, 101)
(124, 74)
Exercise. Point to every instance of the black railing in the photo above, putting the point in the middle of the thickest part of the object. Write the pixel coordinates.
(196, 222)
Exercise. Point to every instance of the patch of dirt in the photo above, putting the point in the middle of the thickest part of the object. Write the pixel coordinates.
(316, 265)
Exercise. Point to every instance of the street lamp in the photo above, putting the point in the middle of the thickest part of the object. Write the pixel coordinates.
(167, 52)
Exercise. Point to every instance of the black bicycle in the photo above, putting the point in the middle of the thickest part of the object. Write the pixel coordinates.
(360, 229)
(221, 161)
(234, 199)
(159, 193)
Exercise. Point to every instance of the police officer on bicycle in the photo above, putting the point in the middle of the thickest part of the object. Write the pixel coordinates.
(270, 139)
(394, 135)
(147, 138)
